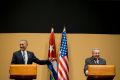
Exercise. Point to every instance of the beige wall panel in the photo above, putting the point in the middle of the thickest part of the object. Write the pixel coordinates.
(79, 46)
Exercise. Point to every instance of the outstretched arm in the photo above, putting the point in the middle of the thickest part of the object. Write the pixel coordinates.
(41, 62)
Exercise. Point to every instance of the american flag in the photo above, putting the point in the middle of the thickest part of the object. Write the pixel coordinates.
(63, 67)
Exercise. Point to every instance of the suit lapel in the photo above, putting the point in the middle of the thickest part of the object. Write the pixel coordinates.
(100, 61)
(92, 60)
(28, 54)
(21, 57)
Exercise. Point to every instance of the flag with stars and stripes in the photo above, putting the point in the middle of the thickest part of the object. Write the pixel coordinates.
(52, 55)
(63, 67)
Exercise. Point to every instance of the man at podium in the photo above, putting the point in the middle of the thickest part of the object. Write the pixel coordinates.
(23, 56)
(94, 60)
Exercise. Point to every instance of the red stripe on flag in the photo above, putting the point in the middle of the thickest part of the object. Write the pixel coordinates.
(66, 73)
(59, 71)
(66, 62)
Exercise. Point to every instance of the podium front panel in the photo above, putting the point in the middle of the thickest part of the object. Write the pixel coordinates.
(23, 71)
(101, 70)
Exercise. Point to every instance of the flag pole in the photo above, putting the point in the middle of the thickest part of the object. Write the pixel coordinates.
(52, 29)
(64, 29)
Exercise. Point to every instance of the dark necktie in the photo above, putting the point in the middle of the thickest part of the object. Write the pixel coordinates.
(95, 61)
(24, 56)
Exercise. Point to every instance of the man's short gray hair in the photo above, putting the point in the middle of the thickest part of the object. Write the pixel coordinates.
(93, 49)
(24, 40)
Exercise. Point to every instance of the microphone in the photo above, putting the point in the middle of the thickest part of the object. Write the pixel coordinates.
(95, 60)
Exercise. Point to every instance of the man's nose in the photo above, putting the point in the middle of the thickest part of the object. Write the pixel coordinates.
(21, 45)
(97, 54)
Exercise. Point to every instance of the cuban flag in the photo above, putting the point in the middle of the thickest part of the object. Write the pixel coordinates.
(52, 55)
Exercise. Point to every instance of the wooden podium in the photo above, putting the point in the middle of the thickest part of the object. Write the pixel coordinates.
(101, 72)
(23, 72)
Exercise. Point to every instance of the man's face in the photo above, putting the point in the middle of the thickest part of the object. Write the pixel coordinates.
(23, 45)
(96, 53)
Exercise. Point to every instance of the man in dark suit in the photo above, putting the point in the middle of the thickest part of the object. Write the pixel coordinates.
(94, 60)
(26, 57)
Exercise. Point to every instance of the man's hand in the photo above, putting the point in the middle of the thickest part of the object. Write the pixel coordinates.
(52, 59)
(86, 72)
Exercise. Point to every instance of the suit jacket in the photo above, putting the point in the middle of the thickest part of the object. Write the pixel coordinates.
(90, 61)
(18, 58)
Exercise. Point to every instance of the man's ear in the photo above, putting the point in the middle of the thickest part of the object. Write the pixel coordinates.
(27, 44)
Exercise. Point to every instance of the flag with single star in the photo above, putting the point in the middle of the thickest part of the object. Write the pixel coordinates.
(52, 55)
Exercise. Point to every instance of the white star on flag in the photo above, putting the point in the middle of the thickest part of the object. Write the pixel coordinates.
(51, 48)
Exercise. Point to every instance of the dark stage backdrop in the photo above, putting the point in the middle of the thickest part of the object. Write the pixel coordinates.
(79, 16)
